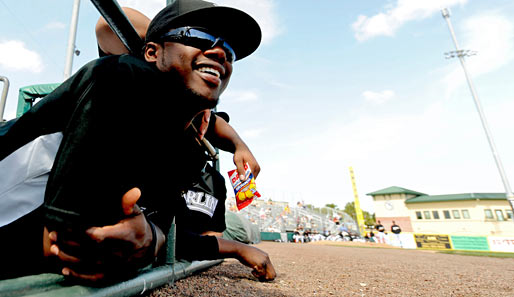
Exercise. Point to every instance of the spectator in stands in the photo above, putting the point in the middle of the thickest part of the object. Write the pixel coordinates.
(316, 236)
(307, 235)
(262, 213)
(299, 235)
(370, 236)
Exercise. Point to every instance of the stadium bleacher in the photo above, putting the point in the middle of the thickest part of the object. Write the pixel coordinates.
(278, 216)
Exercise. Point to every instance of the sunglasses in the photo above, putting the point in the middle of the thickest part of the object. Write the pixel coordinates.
(199, 38)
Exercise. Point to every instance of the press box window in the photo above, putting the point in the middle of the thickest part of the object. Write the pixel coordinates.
(488, 214)
(435, 213)
(427, 215)
(456, 214)
(499, 215)
(465, 214)
(418, 215)
(509, 214)
(447, 214)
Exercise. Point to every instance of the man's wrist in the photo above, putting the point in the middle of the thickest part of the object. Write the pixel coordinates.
(153, 243)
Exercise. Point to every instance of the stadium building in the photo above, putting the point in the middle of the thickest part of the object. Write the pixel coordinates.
(470, 214)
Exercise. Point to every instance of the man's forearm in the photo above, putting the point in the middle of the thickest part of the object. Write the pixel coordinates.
(230, 248)
(226, 138)
(159, 241)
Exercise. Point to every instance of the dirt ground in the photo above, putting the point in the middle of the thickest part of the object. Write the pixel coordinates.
(343, 269)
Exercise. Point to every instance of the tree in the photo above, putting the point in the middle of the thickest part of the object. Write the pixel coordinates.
(331, 205)
(369, 219)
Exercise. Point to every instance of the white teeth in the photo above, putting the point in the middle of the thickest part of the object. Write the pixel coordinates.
(209, 70)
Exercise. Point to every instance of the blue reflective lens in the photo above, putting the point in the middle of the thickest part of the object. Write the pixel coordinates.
(199, 38)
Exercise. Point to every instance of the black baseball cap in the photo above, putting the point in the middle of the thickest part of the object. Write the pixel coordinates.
(238, 28)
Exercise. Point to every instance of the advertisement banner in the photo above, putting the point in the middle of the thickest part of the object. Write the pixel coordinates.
(470, 243)
(501, 244)
(432, 241)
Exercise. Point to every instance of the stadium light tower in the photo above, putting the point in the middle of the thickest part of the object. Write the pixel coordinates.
(461, 54)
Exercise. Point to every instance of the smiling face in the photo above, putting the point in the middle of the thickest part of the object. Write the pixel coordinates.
(205, 73)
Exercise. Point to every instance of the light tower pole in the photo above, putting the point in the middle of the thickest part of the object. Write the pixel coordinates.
(461, 54)
(70, 51)
(4, 96)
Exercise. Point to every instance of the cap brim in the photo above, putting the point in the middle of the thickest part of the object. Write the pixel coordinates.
(238, 28)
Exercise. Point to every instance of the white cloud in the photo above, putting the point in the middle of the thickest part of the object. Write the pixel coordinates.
(491, 35)
(15, 56)
(418, 150)
(378, 97)
(252, 133)
(240, 96)
(386, 23)
(263, 11)
(54, 26)
(148, 7)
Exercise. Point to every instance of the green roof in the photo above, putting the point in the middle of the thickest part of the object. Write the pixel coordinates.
(457, 197)
(395, 190)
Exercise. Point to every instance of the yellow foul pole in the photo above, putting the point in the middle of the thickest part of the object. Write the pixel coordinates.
(358, 211)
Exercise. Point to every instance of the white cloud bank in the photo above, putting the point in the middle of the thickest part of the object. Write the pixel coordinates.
(54, 26)
(378, 97)
(15, 56)
(148, 7)
(252, 133)
(386, 23)
(239, 96)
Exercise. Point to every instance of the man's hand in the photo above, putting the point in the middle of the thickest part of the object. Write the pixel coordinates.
(128, 242)
(250, 256)
(259, 261)
(243, 155)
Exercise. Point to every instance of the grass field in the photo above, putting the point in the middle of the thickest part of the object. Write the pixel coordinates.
(454, 252)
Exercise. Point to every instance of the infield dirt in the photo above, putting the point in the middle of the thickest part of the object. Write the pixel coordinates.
(353, 269)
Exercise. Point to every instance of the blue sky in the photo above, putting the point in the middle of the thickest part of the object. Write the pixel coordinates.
(334, 84)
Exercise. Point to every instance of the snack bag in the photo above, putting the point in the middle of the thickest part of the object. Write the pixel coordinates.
(244, 190)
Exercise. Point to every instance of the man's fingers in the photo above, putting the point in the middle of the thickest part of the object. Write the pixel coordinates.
(89, 277)
(54, 249)
(129, 200)
(99, 234)
(270, 272)
(264, 271)
(261, 274)
(240, 169)
(53, 236)
(121, 230)
(255, 169)
(264, 275)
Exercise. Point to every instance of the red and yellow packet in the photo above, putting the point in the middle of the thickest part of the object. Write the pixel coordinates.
(244, 190)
